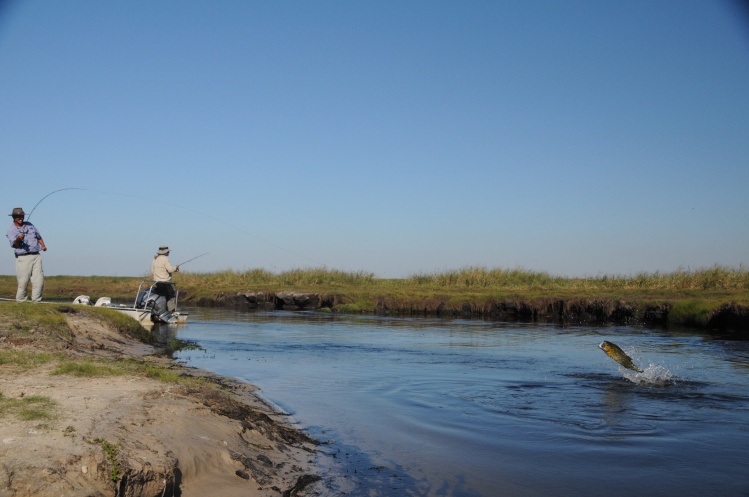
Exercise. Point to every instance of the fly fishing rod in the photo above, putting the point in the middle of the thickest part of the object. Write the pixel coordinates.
(47, 195)
(188, 260)
(178, 207)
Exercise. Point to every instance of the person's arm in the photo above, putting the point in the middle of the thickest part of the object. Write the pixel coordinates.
(169, 268)
(15, 236)
(38, 237)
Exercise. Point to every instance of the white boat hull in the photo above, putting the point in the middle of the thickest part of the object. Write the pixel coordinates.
(144, 317)
(151, 306)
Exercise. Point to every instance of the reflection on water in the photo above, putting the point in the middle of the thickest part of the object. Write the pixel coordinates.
(474, 408)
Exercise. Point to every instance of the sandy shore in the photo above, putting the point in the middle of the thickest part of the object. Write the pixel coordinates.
(135, 436)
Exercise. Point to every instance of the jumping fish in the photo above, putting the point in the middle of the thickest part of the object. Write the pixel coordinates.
(612, 350)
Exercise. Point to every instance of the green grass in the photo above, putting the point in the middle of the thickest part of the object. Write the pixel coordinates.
(467, 281)
(471, 278)
(41, 328)
(310, 277)
(112, 452)
(48, 321)
(31, 408)
(120, 322)
(694, 294)
(692, 312)
(23, 359)
(90, 368)
(27, 318)
(715, 278)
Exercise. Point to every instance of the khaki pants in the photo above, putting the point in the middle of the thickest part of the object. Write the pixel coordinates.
(29, 268)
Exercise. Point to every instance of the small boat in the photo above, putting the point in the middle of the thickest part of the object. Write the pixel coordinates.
(155, 302)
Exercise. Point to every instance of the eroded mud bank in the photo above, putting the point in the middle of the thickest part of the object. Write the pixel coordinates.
(726, 318)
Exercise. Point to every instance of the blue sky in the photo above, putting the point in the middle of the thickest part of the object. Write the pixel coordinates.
(579, 138)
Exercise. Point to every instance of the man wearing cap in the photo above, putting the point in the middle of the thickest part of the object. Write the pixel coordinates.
(27, 243)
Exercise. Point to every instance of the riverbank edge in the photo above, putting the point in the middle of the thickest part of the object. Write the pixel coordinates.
(724, 318)
(715, 301)
(246, 445)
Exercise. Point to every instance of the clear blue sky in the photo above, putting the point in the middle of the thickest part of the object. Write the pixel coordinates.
(581, 138)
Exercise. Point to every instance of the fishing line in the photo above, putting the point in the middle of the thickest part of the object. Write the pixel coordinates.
(185, 209)
(188, 260)
(47, 195)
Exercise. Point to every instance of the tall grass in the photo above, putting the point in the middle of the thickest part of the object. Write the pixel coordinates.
(470, 281)
(230, 279)
(479, 277)
(715, 278)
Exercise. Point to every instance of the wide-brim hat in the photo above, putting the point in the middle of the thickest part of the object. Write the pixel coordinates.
(163, 251)
(17, 212)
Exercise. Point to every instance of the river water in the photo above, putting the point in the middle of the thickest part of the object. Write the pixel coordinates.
(432, 407)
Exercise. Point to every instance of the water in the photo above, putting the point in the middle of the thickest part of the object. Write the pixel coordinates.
(429, 407)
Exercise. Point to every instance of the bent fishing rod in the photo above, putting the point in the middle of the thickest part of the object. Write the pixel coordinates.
(28, 217)
(47, 195)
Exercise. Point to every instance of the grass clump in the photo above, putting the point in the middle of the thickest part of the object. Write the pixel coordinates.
(48, 323)
(357, 307)
(177, 344)
(304, 277)
(112, 452)
(97, 368)
(478, 277)
(26, 319)
(31, 408)
(691, 312)
(89, 368)
(25, 360)
(122, 323)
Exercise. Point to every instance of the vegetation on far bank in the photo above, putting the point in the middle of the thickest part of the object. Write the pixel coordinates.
(691, 294)
(469, 281)
(33, 330)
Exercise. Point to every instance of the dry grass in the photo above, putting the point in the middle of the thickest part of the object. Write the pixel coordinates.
(716, 284)
(715, 278)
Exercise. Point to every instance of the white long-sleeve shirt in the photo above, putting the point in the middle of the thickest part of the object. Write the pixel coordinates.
(162, 269)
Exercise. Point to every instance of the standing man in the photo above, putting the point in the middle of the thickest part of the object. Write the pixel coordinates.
(27, 243)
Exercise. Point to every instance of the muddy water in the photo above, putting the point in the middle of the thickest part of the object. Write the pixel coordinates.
(472, 408)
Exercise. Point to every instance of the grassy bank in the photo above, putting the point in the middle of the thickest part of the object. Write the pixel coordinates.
(35, 336)
(88, 408)
(692, 295)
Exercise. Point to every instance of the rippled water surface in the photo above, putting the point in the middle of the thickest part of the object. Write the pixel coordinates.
(473, 408)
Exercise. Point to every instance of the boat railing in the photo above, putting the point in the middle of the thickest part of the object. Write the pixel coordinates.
(149, 287)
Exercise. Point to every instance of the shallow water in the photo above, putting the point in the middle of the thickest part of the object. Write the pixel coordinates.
(434, 407)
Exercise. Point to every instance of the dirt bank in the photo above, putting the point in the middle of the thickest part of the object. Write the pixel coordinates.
(726, 318)
(130, 435)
